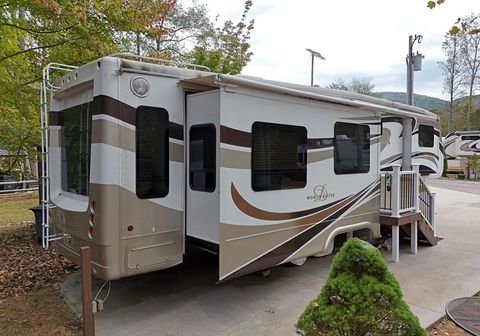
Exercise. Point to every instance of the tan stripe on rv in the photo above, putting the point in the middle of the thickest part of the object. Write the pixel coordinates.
(107, 132)
(321, 155)
(230, 158)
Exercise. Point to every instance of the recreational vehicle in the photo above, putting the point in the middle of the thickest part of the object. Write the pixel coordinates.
(143, 158)
(462, 144)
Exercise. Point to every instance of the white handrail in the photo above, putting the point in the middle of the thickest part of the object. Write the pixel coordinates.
(18, 182)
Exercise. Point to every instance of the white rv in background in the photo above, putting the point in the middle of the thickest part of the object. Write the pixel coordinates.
(462, 143)
(146, 158)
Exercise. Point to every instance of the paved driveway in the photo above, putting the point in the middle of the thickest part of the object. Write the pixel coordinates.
(186, 301)
(458, 185)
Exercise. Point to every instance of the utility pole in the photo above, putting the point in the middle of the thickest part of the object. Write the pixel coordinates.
(313, 54)
(414, 63)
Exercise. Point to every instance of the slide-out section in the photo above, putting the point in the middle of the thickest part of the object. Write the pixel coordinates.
(202, 175)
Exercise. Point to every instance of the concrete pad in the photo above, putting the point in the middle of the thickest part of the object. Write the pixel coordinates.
(449, 270)
(186, 301)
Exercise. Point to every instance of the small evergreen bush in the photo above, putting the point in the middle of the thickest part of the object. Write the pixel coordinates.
(360, 297)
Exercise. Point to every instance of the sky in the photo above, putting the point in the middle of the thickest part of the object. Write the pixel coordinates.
(362, 39)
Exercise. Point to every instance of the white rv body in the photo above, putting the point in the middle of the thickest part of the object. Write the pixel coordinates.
(220, 179)
(462, 144)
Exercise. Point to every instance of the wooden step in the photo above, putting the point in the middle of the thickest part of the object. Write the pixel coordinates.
(425, 232)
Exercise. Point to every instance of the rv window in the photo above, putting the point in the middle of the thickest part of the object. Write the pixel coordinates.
(152, 156)
(279, 156)
(470, 137)
(425, 136)
(351, 148)
(76, 137)
(202, 156)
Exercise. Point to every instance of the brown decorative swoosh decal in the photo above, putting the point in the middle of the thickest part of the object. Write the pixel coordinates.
(283, 251)
(255, 212)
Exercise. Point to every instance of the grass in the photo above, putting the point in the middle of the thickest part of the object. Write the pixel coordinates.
(34, 311)
(42, 312)
(16, 211)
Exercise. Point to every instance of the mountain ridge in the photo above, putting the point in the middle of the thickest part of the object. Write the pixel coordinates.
(422, 101)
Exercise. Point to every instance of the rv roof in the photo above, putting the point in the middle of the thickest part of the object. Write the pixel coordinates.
(315, 93)
(207, 79)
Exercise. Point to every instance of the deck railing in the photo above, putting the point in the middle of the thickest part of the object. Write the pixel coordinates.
(399, 191)
(18, 186)
(406, 191)
(426, 205)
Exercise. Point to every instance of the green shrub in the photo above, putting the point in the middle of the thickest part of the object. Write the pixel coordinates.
(460, 176)
(360, 297)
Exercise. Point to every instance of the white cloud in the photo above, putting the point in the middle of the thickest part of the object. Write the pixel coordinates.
(362, 39)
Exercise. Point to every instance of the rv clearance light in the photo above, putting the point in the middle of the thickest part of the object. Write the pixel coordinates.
(93, 207)
(91, 221)
(140, 86)
(90, 232)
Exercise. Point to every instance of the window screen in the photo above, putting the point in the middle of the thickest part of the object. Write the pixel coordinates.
(152, 152)
(202, 156)
(279, 156)
(425, 136)
(351, 149)
(470, 137)
(76, 137)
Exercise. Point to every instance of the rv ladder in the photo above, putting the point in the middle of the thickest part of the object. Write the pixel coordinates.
(47, 88)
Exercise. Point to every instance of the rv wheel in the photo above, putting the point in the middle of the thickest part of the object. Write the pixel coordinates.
(299, 262)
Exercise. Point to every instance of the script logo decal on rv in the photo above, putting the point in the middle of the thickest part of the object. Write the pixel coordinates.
(320, 193)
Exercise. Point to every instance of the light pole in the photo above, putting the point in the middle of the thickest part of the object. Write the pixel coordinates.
(414, 63)
(314, 54)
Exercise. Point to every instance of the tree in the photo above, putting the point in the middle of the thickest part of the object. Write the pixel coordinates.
(453, 73)
(470, 53)
(225, 50)
(461, 25)
(35, 33)
(362, 86)
(360, 297)
(339, 84)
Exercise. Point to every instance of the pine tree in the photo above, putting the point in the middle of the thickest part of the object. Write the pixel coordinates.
(360, 297)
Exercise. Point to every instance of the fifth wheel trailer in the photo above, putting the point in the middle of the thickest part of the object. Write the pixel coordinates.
(462, 143)
(145, 158)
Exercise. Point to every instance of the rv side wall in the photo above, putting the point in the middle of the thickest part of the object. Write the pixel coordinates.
(283, 197)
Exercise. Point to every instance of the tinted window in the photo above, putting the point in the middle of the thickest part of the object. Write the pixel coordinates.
(425, 136)
(279, 156)
(202, 156)
(76, 137)
(352, 148)
(470, 137)
(152, 152)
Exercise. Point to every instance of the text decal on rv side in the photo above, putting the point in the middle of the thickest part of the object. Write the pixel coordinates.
(320, 193)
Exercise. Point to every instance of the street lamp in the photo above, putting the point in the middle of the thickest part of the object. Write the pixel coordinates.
(414, 63)
(314, 54)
